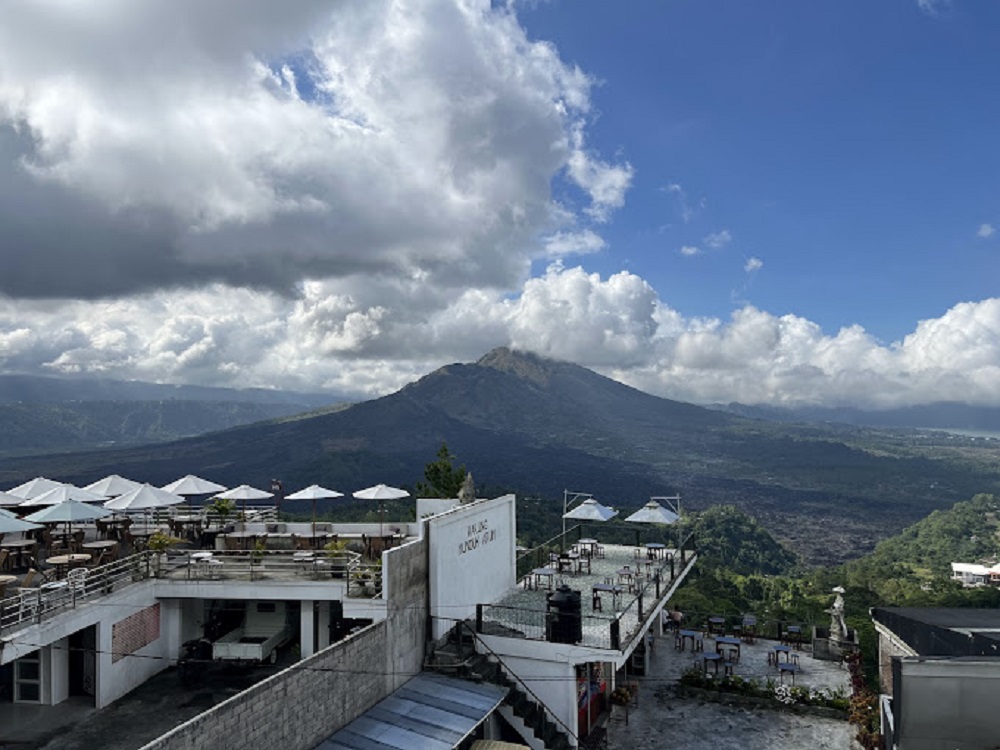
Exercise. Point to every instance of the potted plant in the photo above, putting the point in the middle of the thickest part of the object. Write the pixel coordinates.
(222, 508)
(338, 560)
(158, 544)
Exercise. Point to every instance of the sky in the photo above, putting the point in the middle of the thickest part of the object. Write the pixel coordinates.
(710, 200)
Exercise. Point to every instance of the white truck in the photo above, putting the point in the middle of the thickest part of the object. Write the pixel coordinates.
(265, 629)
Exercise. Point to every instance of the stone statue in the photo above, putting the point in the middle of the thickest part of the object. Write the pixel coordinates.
(838, 628)
(468, 492)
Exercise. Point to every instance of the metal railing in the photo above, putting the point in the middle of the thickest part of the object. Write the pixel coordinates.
(539, 624)
(538, 556)
(32, 605)
(512, 676)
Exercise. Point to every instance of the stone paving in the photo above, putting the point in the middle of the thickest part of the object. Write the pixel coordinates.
(661, 719)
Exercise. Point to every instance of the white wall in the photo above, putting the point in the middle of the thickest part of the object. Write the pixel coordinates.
(432, 506)
(471, 556)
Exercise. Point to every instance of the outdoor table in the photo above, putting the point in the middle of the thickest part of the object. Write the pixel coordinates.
(18, 548)
(655, 550)
(100, 545)
(725, 640)
(611, 588)
(63, 562)
(793, 635)
(244, 539)
(787, 668)
(186, 526)
(694, 635)
(626, 576)
(587, 545)
(317, 539)
(710, 658)
(778, 651)
(749, 628)
(204, 563)
(538, 573)
(717, 624)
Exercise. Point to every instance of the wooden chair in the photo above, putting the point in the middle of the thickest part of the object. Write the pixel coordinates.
(4, 559)
(232, 544)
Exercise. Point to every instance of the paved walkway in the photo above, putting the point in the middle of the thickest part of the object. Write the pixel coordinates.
(661, 719)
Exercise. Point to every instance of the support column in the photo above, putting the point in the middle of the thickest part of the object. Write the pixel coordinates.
(307, 629)
(323, 626)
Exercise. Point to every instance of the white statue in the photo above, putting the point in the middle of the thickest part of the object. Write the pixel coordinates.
(838, 628)
(468, 492)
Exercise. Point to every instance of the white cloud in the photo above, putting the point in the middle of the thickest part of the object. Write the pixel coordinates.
(753, 264)
(690, 250)
(176, 144)
(684, 207)
(574, 243)
(933, 7)
(986, 230)
(718, 240)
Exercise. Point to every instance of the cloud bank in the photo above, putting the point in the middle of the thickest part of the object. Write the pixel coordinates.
(346, 196)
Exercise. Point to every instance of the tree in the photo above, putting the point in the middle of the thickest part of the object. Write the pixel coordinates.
(443, 479)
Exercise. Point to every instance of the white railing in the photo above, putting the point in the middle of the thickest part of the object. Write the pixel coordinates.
(32, 605)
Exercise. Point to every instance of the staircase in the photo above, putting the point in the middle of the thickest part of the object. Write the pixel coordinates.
(458, 658)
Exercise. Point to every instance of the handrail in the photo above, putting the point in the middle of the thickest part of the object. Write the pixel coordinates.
(513, 676)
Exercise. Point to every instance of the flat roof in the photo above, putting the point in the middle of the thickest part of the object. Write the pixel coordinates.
(430, 711)
(952, 618)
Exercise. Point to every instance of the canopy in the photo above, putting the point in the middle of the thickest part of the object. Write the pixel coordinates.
(10, 524)
(70, 511)
(113, 486)
(8, 514)
(192, 485)
(653, 512)
(62, 494)
(245, 492)
(145, 496)
(381, 492)
(33, 488)
(591, 510)
(8, 499)
(314, 492)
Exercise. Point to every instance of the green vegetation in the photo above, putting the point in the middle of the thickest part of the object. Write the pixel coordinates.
(443, 479)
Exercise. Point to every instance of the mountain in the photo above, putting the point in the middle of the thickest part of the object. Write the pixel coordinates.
(943, 415)
(33, 389)
(33, 428)
(538, 426)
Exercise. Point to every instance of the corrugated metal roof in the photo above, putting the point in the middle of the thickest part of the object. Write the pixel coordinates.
(429, 712)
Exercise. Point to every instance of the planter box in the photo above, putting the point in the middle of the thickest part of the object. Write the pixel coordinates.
(753, 701)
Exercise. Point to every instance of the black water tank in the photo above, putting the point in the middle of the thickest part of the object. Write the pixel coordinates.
(563, 620)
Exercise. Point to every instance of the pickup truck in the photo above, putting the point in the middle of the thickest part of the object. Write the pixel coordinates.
(265, 629)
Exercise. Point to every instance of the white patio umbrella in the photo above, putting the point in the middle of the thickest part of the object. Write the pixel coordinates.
(381, 492)
(11, 524)
(191, 485)
(113, 486)
(653, 512)
(243, 493)
(33, 488)
(314, 492)
(69, 512)
(144, 497)
(591, 510)
(8, 499)
(7, 514)
(62, 494)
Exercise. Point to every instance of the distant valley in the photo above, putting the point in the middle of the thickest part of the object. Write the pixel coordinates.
(537, 426)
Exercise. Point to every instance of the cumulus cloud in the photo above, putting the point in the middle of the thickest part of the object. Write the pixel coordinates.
(690, 250)
(574, 243)
(933, 7)
(753, 264)
(148, 145)
(718, 240)
(350, 340)
(986, 230)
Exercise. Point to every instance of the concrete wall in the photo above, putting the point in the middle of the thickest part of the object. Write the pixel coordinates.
(945, 703)
(299, 707)
(889, 646)
(471, 559)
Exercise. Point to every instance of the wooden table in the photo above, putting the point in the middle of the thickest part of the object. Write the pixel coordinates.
(17, 549)
(587, 545)
(63, 562)
(533, 579)
(612, 588)
(697, 640)
(99, 546)
(655, 550)
(5, 581)
(626, 576)
(725, 640)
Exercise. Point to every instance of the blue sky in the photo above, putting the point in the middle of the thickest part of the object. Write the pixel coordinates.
(850, 146)
(782, 203)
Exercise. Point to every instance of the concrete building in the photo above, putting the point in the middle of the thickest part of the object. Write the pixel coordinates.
(940, 674)
(364, 631)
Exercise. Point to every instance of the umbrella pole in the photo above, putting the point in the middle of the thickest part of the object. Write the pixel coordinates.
(312, 542)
